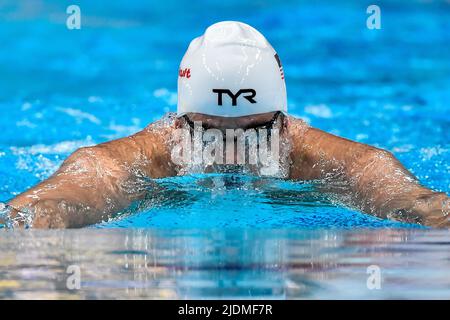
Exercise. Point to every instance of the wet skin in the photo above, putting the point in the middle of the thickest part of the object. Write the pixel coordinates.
(94, 183)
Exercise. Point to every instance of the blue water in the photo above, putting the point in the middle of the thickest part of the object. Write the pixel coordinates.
(232, 201)
(225, 263)
(62, 89)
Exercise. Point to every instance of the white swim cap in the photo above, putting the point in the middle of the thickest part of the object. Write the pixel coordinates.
(231, 71)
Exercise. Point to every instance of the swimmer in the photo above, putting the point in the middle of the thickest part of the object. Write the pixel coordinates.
(229, 78)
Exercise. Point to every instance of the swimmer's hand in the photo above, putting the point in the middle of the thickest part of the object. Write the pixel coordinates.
(367, 178)
(94, 183)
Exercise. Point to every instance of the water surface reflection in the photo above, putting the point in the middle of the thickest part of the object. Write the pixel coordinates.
(180, 264)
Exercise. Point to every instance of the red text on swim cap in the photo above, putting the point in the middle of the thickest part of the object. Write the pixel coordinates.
(185, 73)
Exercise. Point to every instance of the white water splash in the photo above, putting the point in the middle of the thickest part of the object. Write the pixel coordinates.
(35, 158)
(79, 115)
(169, 97)
(321, 111)
(430, 152)
(275, 162)
(57, 148)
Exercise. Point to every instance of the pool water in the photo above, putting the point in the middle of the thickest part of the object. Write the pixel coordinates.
(63, 89)
(225, 263)
(207, 201)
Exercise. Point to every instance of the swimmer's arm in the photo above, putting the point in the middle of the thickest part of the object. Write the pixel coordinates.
(371, 179)
(96, 182)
